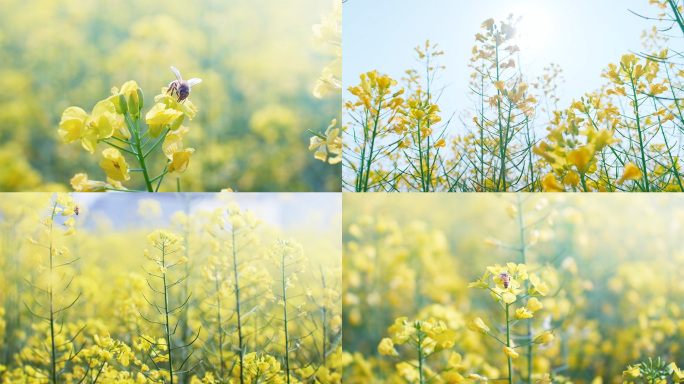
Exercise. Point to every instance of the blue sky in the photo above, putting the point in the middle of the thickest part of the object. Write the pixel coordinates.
(582, 36)
(317, 213)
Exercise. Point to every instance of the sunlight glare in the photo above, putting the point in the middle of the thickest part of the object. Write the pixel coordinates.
(535, 29)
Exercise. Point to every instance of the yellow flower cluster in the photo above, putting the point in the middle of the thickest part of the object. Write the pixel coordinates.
(117, 118)
(372, 94)
(329, 32)
(167, 243)
(505, 285)
(328, 144)
(575, 141)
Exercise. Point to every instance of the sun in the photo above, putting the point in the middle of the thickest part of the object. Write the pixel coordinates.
(535, 27)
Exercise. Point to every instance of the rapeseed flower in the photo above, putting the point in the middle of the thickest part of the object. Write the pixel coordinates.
(114, 164)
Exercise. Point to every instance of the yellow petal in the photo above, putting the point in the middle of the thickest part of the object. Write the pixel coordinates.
(180, 160)
(72, 124)
(551, 185)
(632, 172)
(114, 164)
(510, 352)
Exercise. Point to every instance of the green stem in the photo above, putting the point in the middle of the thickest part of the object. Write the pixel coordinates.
(120, 148)
(428, 177)
(319, 135)
(53, 362)
(508, 344)
(523, 251)
(287, 337)
(359, 175)
(161, 178)
(372, 144)
(420, 358)
(166, 314)
(237, 307)
(678, 15)
(324, 309)
(420, 158)
(220, 330)
(674, 162)
(482, 132)
(639, 130)
(156, 144)
(134, 128)
(502, 151)
(122, 140)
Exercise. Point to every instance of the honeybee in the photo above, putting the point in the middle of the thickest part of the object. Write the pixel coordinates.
(505, 279)
(76, 210)
(181, 87)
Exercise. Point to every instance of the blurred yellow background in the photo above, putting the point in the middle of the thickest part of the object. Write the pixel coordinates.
(257, 61)
(611, 264)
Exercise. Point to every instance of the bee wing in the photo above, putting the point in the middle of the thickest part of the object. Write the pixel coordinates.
(194, 81)
(177, 73)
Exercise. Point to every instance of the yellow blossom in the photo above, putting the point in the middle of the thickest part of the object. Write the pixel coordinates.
(455, 360)
(522, 313)
(99, 125)
(544, 338)
(632, 372)
(551, 185)
(386, 348)
(508, 297)
(114, 164)
(632, 172)
(160, 117)
(477, 325)
(492, 242)
(332, 142)
(628, 60)
(537, 287)
(603, 138)
(488, 24)
(81, 183)
(451, 377)
(677, 374)
(180, 160)
(533, 305)
(582, 158)
(510, 352)
(657, 89)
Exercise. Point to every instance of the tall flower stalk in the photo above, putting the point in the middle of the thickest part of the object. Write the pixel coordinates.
(162, 351)
(51, 310)
(235, 231)
(506, 284)
(288, 258)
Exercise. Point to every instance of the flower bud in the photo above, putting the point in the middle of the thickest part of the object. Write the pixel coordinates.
(122, 104)
(510, 352)
(133, 105)
(544, 338)
(477, 325)
(141, 99)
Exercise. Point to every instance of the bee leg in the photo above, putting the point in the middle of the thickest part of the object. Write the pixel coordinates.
(172, 88)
